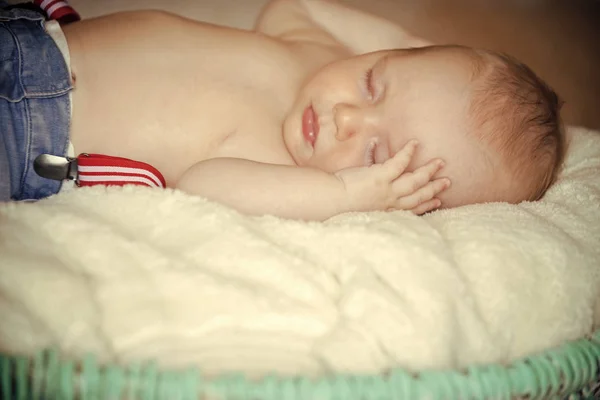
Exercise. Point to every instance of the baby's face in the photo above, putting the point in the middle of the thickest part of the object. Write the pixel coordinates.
(363, 110)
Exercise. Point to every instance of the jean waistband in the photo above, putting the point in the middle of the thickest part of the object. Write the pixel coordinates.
(30, 62)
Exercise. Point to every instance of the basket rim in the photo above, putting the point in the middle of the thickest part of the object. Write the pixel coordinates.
(568, 369)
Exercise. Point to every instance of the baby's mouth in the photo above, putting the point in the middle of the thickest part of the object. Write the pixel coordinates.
(310, 125)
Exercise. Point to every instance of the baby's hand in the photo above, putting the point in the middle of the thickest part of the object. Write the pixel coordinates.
(388, 187)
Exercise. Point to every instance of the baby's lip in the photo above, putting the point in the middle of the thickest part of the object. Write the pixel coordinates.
(310, 125)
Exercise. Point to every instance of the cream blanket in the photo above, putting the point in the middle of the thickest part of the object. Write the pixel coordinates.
(135, 273)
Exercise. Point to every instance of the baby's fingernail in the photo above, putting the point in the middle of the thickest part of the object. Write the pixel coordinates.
(447, 183)
(441, 163)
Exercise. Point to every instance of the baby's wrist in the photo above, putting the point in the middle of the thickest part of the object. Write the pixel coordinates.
(351, 198)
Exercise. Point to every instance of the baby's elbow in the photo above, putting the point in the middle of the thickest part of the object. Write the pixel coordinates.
(186, 183)
(201, 177)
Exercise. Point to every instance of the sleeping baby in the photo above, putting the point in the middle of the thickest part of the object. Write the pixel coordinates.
(306, 117)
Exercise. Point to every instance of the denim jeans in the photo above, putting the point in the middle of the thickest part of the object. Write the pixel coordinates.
(35, 107)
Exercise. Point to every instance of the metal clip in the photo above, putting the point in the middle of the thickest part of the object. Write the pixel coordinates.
(56, 168)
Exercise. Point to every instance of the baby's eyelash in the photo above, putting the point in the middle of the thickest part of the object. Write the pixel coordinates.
(367, 78)
(370, 154)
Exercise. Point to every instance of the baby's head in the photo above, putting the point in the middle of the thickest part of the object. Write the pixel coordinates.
(515, 117)
(493, 121)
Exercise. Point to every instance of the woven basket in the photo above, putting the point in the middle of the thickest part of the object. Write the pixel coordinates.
(569, 371)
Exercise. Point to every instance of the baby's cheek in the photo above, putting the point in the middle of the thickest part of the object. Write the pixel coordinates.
(337, 160)
(448, 199)
(418, 160)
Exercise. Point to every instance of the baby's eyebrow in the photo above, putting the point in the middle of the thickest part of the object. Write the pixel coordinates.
(381, 63)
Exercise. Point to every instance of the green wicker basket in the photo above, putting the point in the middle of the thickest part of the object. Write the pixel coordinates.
(569, 371)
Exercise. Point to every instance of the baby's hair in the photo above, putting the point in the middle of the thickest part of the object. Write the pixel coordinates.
(518, 114)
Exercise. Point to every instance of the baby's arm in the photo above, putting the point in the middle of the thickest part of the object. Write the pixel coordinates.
(289, 20)
(330, 21)
(312, 194)
(358, 30)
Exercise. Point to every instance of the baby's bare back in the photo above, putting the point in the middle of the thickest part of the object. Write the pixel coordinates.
(173, 92)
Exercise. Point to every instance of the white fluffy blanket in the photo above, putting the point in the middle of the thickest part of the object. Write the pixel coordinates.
(134, 273)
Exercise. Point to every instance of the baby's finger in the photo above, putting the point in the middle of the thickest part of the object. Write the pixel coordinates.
(398, 164)
(424, 194)
(429, 205)
(411, 182)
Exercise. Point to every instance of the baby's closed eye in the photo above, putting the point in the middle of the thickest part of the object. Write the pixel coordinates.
(376, 152)
(368, 84)
(371, 85)
(370, 153)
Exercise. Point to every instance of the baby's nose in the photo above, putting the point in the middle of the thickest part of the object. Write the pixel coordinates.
(348, 120)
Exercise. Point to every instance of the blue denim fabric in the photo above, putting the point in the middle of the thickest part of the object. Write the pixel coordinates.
(34, 104)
